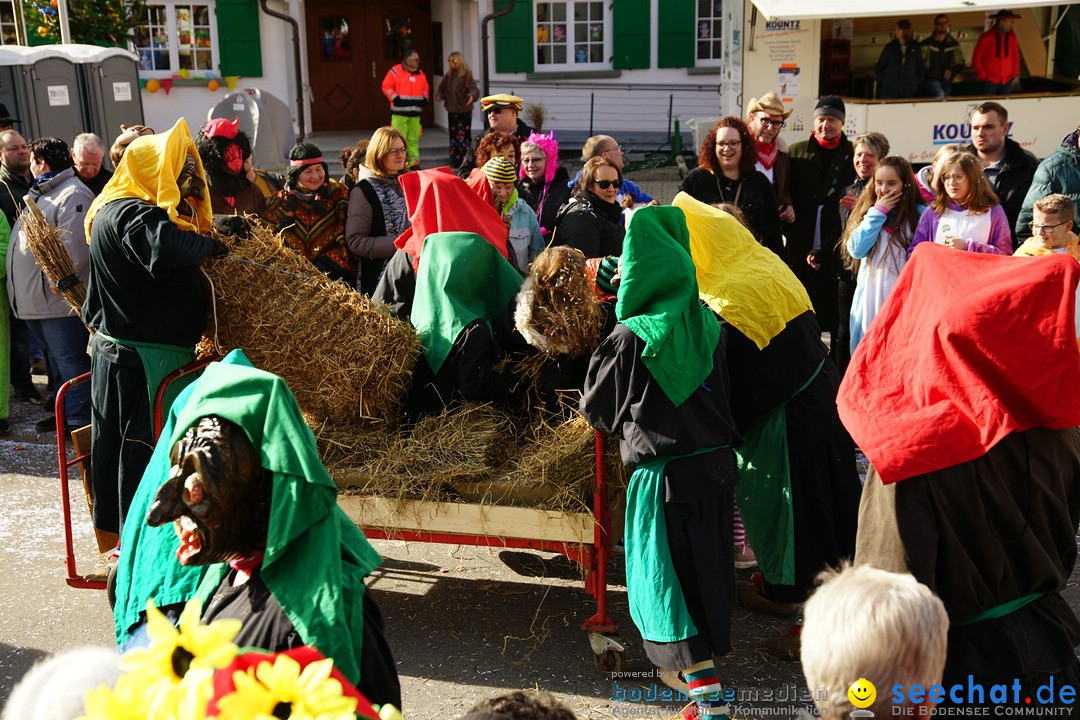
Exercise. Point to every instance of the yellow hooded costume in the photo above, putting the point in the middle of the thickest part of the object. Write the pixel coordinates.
(741, 280)
(149, 171)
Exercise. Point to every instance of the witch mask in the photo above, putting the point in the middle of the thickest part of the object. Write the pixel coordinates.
(217, 495)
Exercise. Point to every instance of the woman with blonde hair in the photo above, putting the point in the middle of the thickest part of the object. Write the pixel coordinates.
(377, 212)
(965, 213)
(458, 92)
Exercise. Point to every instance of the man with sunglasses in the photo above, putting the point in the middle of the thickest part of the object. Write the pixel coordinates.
(766, 116)
(501, 112)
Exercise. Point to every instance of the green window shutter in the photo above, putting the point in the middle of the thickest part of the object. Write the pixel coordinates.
(675, 34)
(515, 38)
(239, 46)
(630, 34)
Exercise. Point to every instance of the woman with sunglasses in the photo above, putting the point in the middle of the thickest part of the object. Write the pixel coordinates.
(592, 221)
(726, 173)
(377, 211)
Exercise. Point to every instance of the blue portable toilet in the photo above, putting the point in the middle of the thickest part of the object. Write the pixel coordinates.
(109, 87)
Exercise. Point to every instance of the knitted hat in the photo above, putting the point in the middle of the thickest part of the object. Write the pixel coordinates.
(609, 266)
(830, 106)
(499, 170)
(301, 157)
(770, 104)
(501, 100)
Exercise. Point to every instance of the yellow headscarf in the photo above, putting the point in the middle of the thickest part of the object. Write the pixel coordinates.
(148, 171)
(741, 280)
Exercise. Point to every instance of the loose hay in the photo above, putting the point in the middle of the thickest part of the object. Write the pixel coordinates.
(475, 454)
(344, 357)
(52, 256)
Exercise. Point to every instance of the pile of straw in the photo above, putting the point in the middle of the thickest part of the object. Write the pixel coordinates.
(474, 454)
(344, 357)
(52, 256)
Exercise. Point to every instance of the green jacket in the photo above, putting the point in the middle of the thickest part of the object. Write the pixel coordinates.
(1058, 173)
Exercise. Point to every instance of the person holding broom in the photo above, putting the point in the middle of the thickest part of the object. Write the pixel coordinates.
(144, 302)
(660, 381)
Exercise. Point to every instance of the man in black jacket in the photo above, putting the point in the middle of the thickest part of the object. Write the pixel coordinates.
(501, 112)
(899, 67)
(1009, 167)
(821, 168)
(942, 58)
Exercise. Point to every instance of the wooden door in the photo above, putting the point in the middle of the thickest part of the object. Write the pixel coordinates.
(351, 45)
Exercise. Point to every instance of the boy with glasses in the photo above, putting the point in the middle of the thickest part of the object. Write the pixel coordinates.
(1052, 228)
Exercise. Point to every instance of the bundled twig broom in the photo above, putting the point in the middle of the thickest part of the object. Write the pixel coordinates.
(52, 256)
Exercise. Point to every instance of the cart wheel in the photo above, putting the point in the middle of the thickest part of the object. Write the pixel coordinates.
(611, 661)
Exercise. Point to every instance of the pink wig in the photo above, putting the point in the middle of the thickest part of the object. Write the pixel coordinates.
(550, 146)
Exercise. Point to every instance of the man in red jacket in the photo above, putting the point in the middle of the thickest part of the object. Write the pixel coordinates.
(406, 87)
(997, 55)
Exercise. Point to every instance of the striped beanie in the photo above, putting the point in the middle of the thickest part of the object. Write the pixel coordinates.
(499, 169)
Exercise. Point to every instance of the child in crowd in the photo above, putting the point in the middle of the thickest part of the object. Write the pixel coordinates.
(1052, 228)
(877, 236)
(927, 175)
(965, 214)
(525, 238)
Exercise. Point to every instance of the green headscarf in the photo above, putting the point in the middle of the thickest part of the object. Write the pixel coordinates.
(461, 277)
(658, 301)
(316, 558)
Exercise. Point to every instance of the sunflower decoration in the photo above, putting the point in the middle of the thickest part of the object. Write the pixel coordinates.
(175, 673)
(282, 689)
(124, 701)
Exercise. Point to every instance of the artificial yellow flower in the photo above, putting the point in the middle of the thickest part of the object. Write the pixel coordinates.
(123, 701)
(310, 694)
(175, 673)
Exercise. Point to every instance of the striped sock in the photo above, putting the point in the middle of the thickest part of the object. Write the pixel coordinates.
(739, 531)
(702, 681)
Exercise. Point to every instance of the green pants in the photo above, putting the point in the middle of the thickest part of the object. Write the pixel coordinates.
(409, 126)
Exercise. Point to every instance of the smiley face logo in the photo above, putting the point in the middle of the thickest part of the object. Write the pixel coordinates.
(862, 693)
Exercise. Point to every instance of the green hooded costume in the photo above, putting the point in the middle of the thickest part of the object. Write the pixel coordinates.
(316, 558)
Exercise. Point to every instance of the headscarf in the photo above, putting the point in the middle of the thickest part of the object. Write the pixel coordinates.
(462, 278)
(316, 558)
(658, 301)
(968, 348)
(741, 280)
(441, 202)
(149, 171)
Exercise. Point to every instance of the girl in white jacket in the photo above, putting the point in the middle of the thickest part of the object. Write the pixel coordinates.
(877, 236)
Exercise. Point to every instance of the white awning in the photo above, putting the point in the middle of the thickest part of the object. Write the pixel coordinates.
(834, 9)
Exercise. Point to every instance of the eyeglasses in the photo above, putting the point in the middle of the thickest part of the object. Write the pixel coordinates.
(1045, 229)
(397, 151)
(769, 122)
(729, 144)
(605, 184)
(495, 110)
(528, 160)
(617, 148)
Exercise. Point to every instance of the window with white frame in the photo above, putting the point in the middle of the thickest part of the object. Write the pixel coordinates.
(572, 35)
(8, 36)
(709, 32)
(176, 36)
